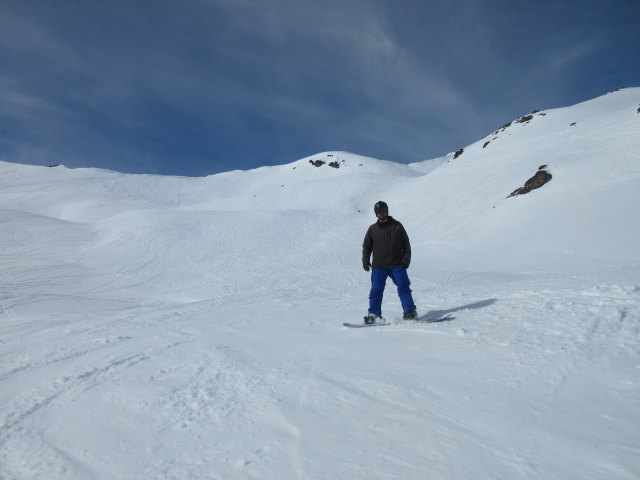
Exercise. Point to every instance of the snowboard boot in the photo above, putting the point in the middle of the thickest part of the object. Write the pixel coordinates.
(371, 318)
(410, 315)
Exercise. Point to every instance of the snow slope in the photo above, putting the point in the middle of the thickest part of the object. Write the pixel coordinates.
(166, 327)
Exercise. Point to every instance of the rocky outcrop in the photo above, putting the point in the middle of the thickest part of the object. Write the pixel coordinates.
(538, 180)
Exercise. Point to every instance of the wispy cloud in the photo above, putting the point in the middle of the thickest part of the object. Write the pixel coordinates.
(246, 81)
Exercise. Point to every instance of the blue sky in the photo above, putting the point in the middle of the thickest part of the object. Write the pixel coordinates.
(196, 87)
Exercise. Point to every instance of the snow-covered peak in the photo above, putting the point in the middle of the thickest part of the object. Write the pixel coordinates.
(456, 206)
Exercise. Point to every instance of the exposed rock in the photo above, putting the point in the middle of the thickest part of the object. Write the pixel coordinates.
(503, 128)
(458, 153)
(334, 165)
(316, 163)
(539, 179)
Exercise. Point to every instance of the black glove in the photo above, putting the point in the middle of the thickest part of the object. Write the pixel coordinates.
(366, 266)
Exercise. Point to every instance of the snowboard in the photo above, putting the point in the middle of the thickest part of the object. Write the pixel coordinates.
(443, 318)
(363, 325)
(425, 319)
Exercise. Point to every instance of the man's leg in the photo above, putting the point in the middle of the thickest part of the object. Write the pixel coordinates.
(378, 280)
(401, 279)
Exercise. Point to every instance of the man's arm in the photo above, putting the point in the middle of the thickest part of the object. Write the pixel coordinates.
(406, 249)
(367, 248)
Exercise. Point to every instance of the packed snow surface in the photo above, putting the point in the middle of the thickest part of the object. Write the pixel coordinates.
(191, 328)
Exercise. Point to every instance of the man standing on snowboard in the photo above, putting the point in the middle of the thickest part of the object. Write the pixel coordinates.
(389, 243)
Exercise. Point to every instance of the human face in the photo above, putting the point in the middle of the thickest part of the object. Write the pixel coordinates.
(382, 216)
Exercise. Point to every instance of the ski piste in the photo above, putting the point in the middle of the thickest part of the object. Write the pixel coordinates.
(384, 323)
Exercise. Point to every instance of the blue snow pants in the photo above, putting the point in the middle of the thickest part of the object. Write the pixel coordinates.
(378, 282)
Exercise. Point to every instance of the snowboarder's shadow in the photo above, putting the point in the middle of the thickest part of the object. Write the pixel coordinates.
(447, 315)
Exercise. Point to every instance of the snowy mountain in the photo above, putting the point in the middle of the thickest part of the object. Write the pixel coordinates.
(171, 327)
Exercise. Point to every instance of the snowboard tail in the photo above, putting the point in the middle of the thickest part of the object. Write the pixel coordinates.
(441, 318)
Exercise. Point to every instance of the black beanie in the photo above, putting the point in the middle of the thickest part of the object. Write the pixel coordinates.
(380, 207)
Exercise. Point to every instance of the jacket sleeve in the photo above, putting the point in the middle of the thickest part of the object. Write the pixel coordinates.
(406, 248)
(367, 248)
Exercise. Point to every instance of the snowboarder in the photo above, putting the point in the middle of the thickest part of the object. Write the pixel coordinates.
(389, 243)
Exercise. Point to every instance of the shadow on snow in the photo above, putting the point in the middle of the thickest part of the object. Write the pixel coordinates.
(448, 313)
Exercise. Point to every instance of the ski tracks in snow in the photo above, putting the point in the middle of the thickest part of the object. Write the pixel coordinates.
(553, 341)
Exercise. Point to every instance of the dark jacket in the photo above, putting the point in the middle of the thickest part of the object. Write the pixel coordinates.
(389, 243)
